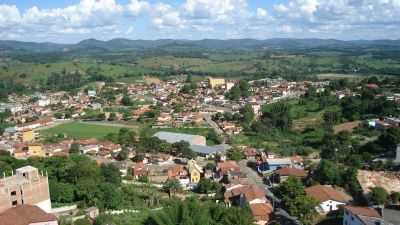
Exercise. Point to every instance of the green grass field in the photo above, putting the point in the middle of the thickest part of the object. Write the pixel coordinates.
(80, 130)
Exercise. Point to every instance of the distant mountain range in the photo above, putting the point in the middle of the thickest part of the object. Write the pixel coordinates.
(126, 44)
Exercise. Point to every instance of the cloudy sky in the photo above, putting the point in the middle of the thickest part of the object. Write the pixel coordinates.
(69, 21)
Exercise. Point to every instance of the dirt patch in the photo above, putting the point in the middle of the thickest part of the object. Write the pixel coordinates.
(349, 127)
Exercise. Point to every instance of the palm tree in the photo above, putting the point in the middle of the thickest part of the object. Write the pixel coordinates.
(172, 186)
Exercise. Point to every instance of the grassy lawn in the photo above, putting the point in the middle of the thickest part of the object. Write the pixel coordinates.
(80, 130)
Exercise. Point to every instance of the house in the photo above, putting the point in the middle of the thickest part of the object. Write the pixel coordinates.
(242, 195)
(269, 165)
(209, 151)
(179, 172)
(90, 149)
(261, 212)
(27, 136)
(27, 215)
(216, 82)
(282, 174)
(226, 167)
(172, 137)
(195, 171)
(34, 185)
(354, 215)
(139, 170)
(250, 153)
(329, 198)
(36, 150)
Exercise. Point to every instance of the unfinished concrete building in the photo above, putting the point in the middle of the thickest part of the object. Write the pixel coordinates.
(28, 187)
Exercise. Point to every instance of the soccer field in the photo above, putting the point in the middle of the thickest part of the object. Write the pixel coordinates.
(80, 130)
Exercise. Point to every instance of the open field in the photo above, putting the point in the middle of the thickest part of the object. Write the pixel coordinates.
(80, 130)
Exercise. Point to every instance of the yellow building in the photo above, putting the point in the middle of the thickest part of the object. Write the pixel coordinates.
(36, 150)
(216, 82)
(195, 171)
(28, 136)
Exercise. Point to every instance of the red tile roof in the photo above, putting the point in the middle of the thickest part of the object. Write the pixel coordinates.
(288, 171)
(363, 211)
(261, 211)
(227, 166)
(323, 193)
(25, 215)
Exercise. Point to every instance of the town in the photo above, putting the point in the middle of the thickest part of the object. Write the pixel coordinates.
(264, 151)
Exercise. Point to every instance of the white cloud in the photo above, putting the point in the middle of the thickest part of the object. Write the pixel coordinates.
(204, 19)
(261, 13)
(9, 15)
(137, 7)
(165, 16)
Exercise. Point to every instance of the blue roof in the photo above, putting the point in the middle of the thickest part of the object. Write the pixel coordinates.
(206, 150)
(172, 137)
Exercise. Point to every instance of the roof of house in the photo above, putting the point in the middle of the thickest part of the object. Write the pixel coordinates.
(250, 192)
(325, 192)
(228, 165)
(279, 161)
(288, 171)
(174, 171)
(261, 211)
(209, 149)
(25, 215)
(172, 137)
(363, 211)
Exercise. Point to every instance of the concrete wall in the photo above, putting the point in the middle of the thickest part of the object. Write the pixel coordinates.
(328, 206)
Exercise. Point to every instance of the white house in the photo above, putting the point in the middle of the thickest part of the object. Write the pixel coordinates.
(329, 199)
(361, 216)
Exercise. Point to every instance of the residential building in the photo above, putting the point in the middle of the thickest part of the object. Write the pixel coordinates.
(28, 136)
(329, 198)
(269, 165)
(172, 137)
(261, 212)
(27, 215)
(216, 82)
(354, 215)
(195, 171)
(27, 186)
(282, 174)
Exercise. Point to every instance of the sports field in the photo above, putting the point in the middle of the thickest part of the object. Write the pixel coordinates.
(80, 130)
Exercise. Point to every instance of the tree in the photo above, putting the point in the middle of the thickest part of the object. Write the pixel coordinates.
(296, 201)
(248, 114)
(111, 195)
(172, 186)
(331, 118)
(378, 195)
(61, 192)
(235, 154)
(111, 173)
(123, 154)
(328, 172)
(395, 196)
(74, 149)
(83, 221)
(126, 101)
(183, 149)
(206, 186)
(390, 138)
(213, 136)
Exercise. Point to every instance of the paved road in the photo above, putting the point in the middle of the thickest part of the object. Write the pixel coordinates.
(214, 125)
(255, 178)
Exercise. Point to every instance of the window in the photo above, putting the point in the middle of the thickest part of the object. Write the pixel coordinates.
(13, 193)
(14, 203)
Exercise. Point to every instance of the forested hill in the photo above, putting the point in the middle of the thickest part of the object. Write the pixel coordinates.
(126, 44)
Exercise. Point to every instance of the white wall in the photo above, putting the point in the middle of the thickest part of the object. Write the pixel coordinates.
(45, 205)
(325, 207)
(45, 223)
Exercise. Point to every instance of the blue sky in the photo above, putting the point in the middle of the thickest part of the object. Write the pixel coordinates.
(74, 20)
